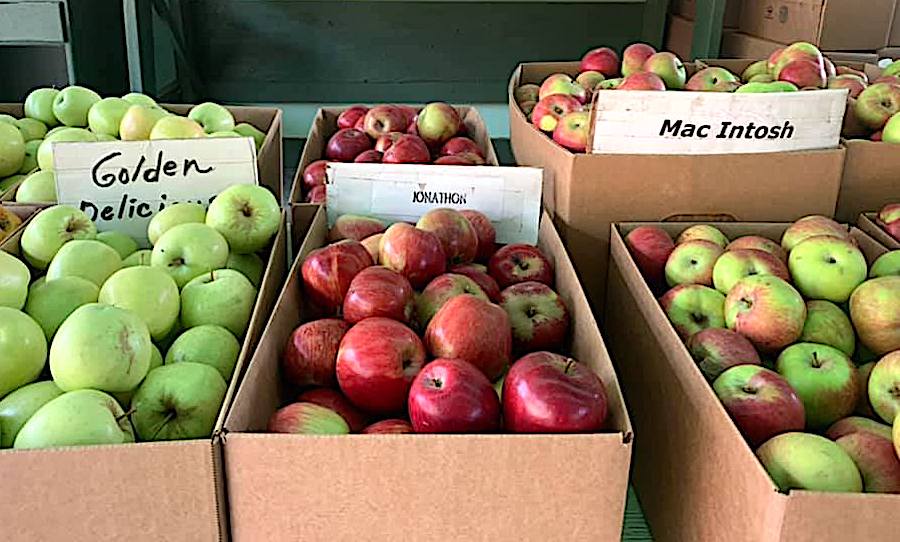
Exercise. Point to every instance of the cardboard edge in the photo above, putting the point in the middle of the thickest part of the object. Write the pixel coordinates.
(867, 223)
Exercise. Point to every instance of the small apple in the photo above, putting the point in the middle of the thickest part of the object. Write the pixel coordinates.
(811, 226)
(806, 461)
(414, 253)
(825, 267)
(210, 344)
(458, 238)
(437, 122)
(549, 110)
(692, 308)
(601, 59)
(76, 418)
(347, 144)
(307, 419)
(23, 350)
(761, 402)
(189, 250)
(440, 290)
(212, 117)
(767, 310)
(45, 150)
(876, 104)
(328, 271)
(668, 67)
(173, 215)
(452, 396)
(89, 259)
(71, 105)
(650, 247)
(588, 80)
(384, 119)
(692, 262)
(223, 297)
(378, 291)
(148, 292)
(246, 215)
(311, 351)
(716, 350)
(31, 129)
(50, 229)
(51, 302)
(760, 67)
(408, 149)
(539, 318)
(827, 324)
(824, 379)
(519, 262)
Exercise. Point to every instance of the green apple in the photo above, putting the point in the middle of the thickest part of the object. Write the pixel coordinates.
(149, 292)
(178, 402)
(210, 344)
(138, 121)
(12, 149)
(767, 310)
(140, 257)
(39, 105)
(246, 215)
(101, 347)
(762, 78)
(825, 380)
(173, 215)
(51, 302)
(76, 418)
(892, 69)
(23, 350)
(29, 163)
(106, 137)
(124, 397)
(827, 324)
(14, 280)
(251, 265)
(17, 407)
(189, 250)
(8, 119)
(72, 104)
(213, 117)
(760, 67)
(875, 313)
(39, 187)
(692, 307)
(825, 267)
(225, 133)
(248, 130)
(884, 387)
(31, 129)
(811, 462)
(89, 259)
(760, 87)
(137, 98)
(45, 151)
(8, 182)
(105, 116)
(888, 264)
(51, 229)
(224, 297)
(174, 127)
(122, 243)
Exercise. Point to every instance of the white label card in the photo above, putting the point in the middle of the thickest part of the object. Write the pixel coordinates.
(642, 122)
(509, 196)
(122, 184)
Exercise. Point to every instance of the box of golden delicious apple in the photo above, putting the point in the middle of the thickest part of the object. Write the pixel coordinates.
(117, 364)
(765, 360)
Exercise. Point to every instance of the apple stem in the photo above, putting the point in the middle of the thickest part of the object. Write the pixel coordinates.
(126, 414)
(162, 424)
(816, 363)
(569, 363)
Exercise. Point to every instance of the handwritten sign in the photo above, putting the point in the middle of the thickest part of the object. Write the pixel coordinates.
(122, 184)
(509, 196)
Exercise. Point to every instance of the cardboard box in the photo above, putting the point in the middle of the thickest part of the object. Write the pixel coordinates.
(688, 10)
(891, 52)
(325, 125)
(146, 491)
(680, 36)
(381, 487)
(740, 45)
(839, 25)
(696, 477)
(894, 35)
(585, 193)
(869, 224)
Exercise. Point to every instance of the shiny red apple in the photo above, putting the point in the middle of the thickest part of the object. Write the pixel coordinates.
(458, 237)
(539, 318)
(347, 144)
(328, 271)
(520, 263)
(407, 149)
(453, 396)
(378, 291)
(478, 273)
(416, 254)
(311, 351)
(484, 231)
(350, 116)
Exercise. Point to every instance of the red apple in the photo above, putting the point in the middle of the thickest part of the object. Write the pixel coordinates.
(350, 116)
(408, 149)
(456, 234)
(327, 272)
(316, 195)
(601, 59)
(354, 227)
(634, 56)
(437, 122)
(851, 82)
(572, 130)
(520, 263)
(360, 124)
(549, 393)
(715, 350)
(478, 273)
(459, 145)
(457, 160)
(392, 426)
(310, 353)
(307, 419)
(378, 291)
(755, 242)
(373, 244)
(561, 83)
(650, 247)
(474, 330)
(484, 231)
(453, 396)
(767, 310)
(314, 174)
(386, 141)
(876, 104)
(876, 460)
(846, 70)
(539, 318)
(803, 73)
(410, 113)
(439, 291)
(347, 144)
(368, 157)
(549, 110)
(384, 119)
(416, 254)
(376, 363)
(333, 399)
(642, 81)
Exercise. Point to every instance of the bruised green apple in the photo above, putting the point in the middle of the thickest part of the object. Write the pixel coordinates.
(17, 407)
(51, 302)
(122, 243)
(810, 462)
(224, 297)
(189, 250)
(14, 279)
(246, 215)
(76, 418)
(23, 350)
(209, 344)
(89, 259)
(173, 215)
(148, 292)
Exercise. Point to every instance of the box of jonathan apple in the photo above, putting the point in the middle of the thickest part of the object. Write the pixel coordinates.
(460, 363)
(117, 365)
(768, 362)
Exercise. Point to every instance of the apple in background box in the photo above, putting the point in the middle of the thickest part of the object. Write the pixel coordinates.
(349, 116)
(702, 232)
(767, 310)
(876, 104)
(14, 280)
(328, 271)
(811, 226)
(549, 110)
(884, 387)
(356, 227)
(692, 308)
(827, 324)
(373, 244)
(549, 393)
(174, 127)
(601, 59)
(314, 174)
(478, 273)
(310, 354)
(23, 350)
(560, 83)
(668, 67)
(715, 350)
(692, 262)
(825, 380)
(347, 144)
(850, 82)
(414, 253)
(71, 105)
(138, 121)
(392, 426)
(173, 215)
(50, 229)
(589, 80)
(827, 268)
(51, 302)
(189, 250)
(376, 363)
(806, 461)
(209, 344)
(307, 419)
(369, 157)
(755, 242)
(634, 56)
(77, 418)
(437, 122)
(642, 81)
(378, 291)
(713, 79)
(519, 262)
(328, 398)
(539, 318)
(527, 93)
(734, 265)
(889, 213)
(439, 291)
(650, 247)
(572, 130)
(484, 232)
(474, 330)
(760, 67)
(386, 141)
(460, 145)
(876, 460)
(803, 73)
(761, 402)
(453, 396)
(20, 405)
(384, 119)
(39, 105)
(316, 195)
(408, 149)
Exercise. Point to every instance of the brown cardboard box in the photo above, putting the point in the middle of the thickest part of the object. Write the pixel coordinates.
(894, 35)
(585, 193)
(868, 223)
(696, 477)
(325, 125)
(839, 25)
(740, 45)
(688, 10)
(382, 487)
(680, 36)
(147, 491)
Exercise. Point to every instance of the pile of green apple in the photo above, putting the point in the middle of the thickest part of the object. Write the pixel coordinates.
(800, 341)
(111, 344)
(79, 114)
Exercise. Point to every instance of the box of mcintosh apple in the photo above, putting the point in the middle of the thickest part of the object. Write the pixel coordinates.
(883, 226)
(449, 135)
(474, 353)
(117, 362)
(670, 155)
(764, 358)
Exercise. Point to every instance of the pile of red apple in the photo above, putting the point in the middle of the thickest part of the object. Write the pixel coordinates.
(430, 328)
(800, 340)
(888, 218)
(395, 134)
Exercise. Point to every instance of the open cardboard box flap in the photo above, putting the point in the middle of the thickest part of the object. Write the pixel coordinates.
(387, 486)
(868, 223)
